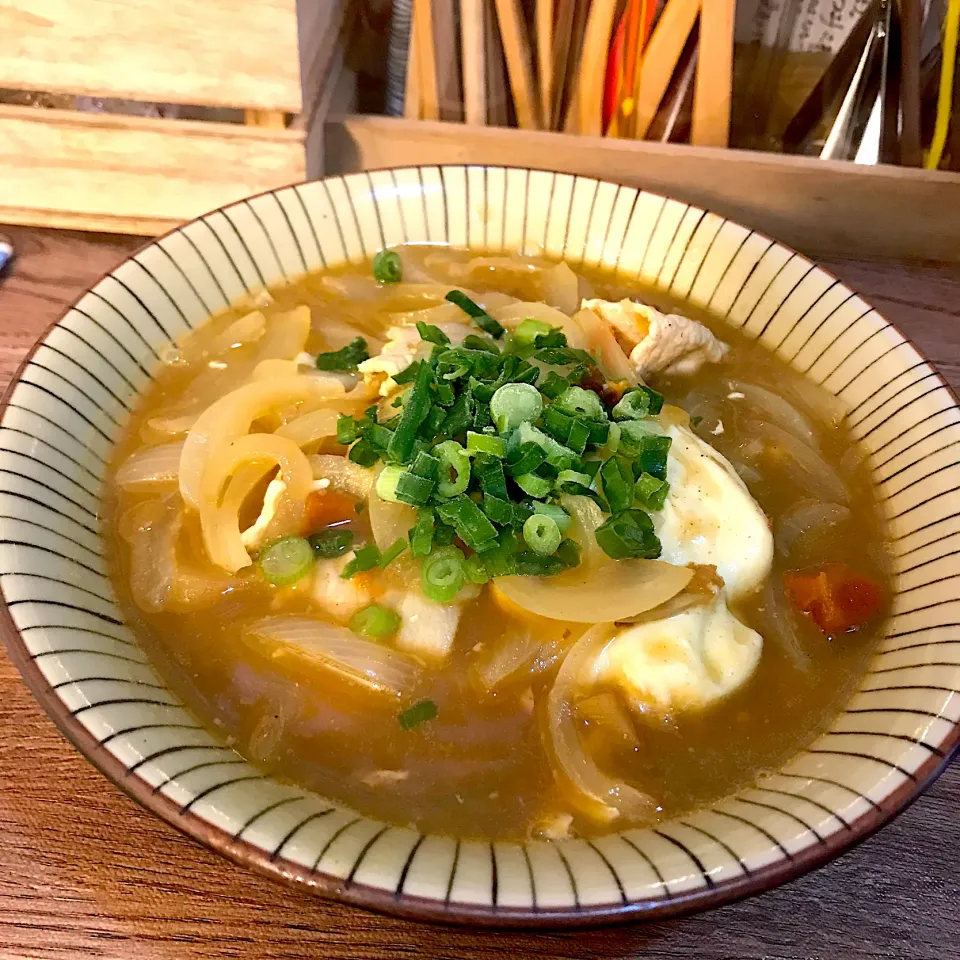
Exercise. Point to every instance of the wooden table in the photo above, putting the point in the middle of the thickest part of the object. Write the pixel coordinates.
(84, 872)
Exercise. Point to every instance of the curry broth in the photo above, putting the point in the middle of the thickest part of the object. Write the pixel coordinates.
(478, 769)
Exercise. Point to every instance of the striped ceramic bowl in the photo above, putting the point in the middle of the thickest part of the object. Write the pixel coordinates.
(67, 635)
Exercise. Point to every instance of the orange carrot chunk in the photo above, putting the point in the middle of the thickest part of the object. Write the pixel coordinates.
(834, 596)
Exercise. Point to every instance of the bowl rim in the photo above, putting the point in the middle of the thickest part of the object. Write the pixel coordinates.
(410, 906)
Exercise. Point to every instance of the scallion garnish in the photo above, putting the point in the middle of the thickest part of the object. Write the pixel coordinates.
(542, 534)
(441, 574)
(366, 558)
(330, 543)
(286, 561)
(513, 404)
(375, 621)
(346, 358)
(387, 267)
(454, 471)
(421, 712)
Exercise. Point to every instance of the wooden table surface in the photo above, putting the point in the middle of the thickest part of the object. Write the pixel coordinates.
(85, 873)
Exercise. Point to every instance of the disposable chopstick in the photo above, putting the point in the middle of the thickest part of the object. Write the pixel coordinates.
(712, 97)
(411, 93)
(596, 44)
(563, 31)
(473, 45)
(911, 152)
(660, 59)
(426, 59)
(543, 14)
(572, 69)
(889, 141)
(446, 61)
(498, 112)
(516, 50)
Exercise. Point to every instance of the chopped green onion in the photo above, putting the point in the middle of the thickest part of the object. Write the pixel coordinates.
(628, 535)
(557, 455)
(489, 473)
(528, 330)
(441, 574)
(525, 458)
(480, 316)
(364, 453)
(347, 430)
(286, 561)
(407, 375)
(696, 421)
(569, 552)
(392, 552)
(444, 535)
(653, 456)
(633, 436)
(617, 480)
(474, 570)
(513, 404)
(529, 564)
(533, 485)
(414, 413)
(421, 712)
(554, 385)
(565, 477)
(651, 492)
(459, 416)
(656, 399)
(432, 334)
(473, 342)
(413, 489)
(387, 267)
(484, 443)
(375, 621)
(578, 436)
(612, 444)
(454, 471)
(331, 542)
(346, 358)
(562, 356)
(387, 483)
(633, 405)
(554, 337)
(366, 558)
(581, 403)
(498, 510)
(421, 533)
(541, 534)
(471, 523)
(556, 513)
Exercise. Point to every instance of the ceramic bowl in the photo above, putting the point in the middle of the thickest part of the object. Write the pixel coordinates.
(68, 637)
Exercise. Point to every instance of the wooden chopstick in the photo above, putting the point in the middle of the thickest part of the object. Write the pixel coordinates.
(596, 45)
(712, 97)
(446, 60)
(516, 50)
(660, 59)
(426, 59)
(911, 151)
(411, 93)
(498, 107)
(544, 23)
(562, 34)
(889, 147)
(473, 51)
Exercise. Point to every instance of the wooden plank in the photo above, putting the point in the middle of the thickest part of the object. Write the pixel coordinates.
(660, 58)
(268, 119)
(711, 101)
(130, 174)
(239, 53)
(820, 207)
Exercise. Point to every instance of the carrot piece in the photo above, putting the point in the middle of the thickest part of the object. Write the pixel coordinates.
(834, 596)
(326, 508)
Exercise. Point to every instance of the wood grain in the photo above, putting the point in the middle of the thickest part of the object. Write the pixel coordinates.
(239, 53)
(133, 174)
(85, 873)
(711, 102)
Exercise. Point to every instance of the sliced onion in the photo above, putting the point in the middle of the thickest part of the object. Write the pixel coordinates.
(810, 469)
(778, 625)
(343, 474)
(818, 400)
(389, 521)
(561, 289)
(371, 665)
(804, 517)
(593, 792)
(600, 341)
(773, 407)
(150, 466)
(612, 592)
(311, 427)
(702, 589)
(587, 516)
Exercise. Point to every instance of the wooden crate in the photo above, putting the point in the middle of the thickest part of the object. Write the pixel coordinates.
(820, 207)
(108, 171)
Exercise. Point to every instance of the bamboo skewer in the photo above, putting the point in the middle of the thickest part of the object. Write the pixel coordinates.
(544, 22)
(713, 95)
(516, 49)
(473, 48)
(660, 59)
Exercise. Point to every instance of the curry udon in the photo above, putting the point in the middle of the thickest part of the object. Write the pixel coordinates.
(484, 546)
